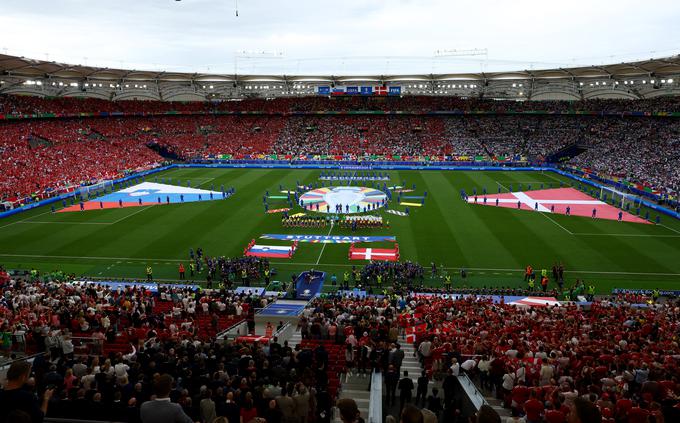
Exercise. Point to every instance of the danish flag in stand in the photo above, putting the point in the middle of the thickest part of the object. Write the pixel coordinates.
(413, 331)
(380, 91)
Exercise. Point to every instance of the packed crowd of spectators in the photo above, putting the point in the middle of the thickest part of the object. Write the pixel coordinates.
(43, 314)
(39, 157)
(71, 152)
(166, 349)
(642, 151)
(623, 360)
(18, 105)
(539, 361)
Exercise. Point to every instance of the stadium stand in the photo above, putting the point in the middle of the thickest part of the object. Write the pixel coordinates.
(640, 149)
(537, 360)
(102, 350)
(21, 105)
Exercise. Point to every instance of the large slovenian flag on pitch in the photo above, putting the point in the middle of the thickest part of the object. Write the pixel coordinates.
(272, 251)
(149, 194)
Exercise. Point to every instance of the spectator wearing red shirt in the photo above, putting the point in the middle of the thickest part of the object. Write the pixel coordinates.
(555, 416)
(520, 394)
(533, 409)
(637, 415)
(248, 410)
(584, 411)
(623, 406)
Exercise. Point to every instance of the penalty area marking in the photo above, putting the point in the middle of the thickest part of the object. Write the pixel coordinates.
(129, 215)
(674, 230)
(551, 176)
(137, 259)
(25, 220)
(66, 223)
(629, 235)
(205, 182)
(43, 222)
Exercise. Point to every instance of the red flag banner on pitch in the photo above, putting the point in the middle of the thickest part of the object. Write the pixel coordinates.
(376, 254)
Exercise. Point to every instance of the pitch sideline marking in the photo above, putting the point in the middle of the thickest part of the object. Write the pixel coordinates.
(137, 259)
(324, 245)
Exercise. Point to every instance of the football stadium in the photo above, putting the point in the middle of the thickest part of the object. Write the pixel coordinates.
(223, 213)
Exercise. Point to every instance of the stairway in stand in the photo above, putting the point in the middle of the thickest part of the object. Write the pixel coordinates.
(414, 369)
(356, 387)
(295, 339)
(497, 405)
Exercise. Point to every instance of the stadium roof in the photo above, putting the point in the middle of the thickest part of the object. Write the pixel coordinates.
(32, 68)
(632, 80)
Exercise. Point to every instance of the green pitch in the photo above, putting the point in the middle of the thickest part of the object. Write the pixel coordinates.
(493, 244)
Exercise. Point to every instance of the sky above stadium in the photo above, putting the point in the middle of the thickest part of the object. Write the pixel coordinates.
(358, 37)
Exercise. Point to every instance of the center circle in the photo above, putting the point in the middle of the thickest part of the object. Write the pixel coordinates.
(343, 199)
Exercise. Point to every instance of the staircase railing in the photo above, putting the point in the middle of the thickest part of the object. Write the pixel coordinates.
(285, 333)
(376, 398)
(473, 393)
(234, 331)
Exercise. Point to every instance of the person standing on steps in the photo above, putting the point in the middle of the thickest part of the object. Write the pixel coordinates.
(421, 391)
(405, 390)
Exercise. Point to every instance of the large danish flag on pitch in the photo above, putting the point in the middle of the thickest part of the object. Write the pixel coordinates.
(380, 254)
(556, 200)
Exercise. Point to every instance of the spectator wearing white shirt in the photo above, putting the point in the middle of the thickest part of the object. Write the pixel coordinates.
(424, 350)
(455, 368)
(468, 365)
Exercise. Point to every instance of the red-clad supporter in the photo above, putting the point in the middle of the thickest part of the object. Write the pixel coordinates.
(533, 409)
